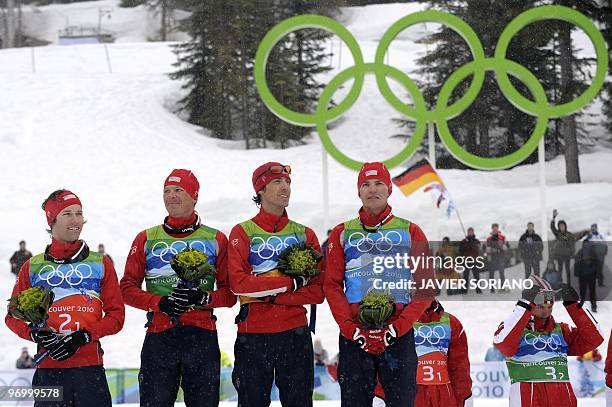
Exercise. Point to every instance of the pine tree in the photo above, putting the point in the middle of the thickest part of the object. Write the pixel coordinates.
(225, 62)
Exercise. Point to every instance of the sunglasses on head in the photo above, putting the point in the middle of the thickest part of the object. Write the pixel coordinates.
(276, 169)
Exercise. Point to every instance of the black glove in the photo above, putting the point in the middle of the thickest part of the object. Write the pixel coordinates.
(555, 213)
(530, 294)
(169, 305)
(568, 294)
(44, 337)
(191, 296)
(299, 282)
(69, 344)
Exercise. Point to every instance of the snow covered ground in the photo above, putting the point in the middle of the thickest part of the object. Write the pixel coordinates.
(112, 138)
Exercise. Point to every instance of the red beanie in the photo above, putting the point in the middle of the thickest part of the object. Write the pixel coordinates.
(186, 180)
(54, 206)
(375, 170)
(262, 176)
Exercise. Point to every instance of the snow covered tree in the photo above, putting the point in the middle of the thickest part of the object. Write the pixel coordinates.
(217, 67)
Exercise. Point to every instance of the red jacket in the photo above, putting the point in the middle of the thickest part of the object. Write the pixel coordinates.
(286, 311)
(608, 368)
(110, 322)
(459, 389)
(582, 339)
(134, 274)
(347, 315)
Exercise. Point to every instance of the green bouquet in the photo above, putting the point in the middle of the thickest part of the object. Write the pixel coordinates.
(191, 266)
(376, 308)
(299, 259)
(31, 305)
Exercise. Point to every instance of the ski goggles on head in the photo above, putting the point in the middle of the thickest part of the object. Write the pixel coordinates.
(545, 297)
(276, 169)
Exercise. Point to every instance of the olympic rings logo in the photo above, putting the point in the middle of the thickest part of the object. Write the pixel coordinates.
(165, 251)
(74, 276)
(442, 112)
(432, 336)
(272, 246)
(540, 342)
(382, 241)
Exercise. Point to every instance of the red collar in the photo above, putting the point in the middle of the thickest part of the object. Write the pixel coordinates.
(269, 222)
(540, 325)
(178, 223)
(433, 313)
(61, 250)
(371, 220)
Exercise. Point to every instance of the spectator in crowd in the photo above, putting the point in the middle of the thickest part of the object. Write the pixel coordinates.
(496, 248)
(324, 245)
(553, 276)
(600, 249)
(102, 251)
(564, 245)
(19, 257)
(25, 361)
(320, 354)
(592, 356)
(585, 268)
(530, 249)
(470, 248)
(494, 355)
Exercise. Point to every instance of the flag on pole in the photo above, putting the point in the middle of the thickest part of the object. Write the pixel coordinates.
(417, 176)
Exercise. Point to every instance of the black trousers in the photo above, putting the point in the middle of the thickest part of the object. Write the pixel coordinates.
(565, 262)
(284, 357)
(532, 265)
(359, 371)
(588, 283)
(187, 356)
(82, 386)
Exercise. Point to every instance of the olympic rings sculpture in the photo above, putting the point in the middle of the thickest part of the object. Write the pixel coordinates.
(366, 242)
(73, 276)
(442, 112)
(540, 342)
(268, 246)
(161, 249)
(432, 336)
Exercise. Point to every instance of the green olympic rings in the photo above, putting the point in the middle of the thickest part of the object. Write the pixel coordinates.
(547, 13)
(359, 70)
(499, 66)
(455, 23)
(540, 108)
(273, 37)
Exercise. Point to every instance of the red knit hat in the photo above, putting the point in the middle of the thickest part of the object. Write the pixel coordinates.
(376, 170)
(54, 206)
(262, 176)
(184, 179)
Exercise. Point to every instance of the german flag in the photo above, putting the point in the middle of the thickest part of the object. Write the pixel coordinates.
(417, 176)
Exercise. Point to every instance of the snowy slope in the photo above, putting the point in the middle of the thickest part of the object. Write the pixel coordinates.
(126, 24)
(112, 139)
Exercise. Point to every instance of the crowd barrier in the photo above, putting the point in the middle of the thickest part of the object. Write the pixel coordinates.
(490, 380)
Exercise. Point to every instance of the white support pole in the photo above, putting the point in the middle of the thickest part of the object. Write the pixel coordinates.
(108, 61)
(32, 52)
(325, 183)
(542, 182)
(431, 137)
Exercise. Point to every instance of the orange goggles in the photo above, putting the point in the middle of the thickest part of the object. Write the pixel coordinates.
(276, 169)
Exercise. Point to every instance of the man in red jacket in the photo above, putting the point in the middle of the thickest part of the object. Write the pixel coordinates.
(536, 347)
(273, 342)
(608, 370)
(443, 374)
(87, 306)
(181, 345)
(353, 268)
